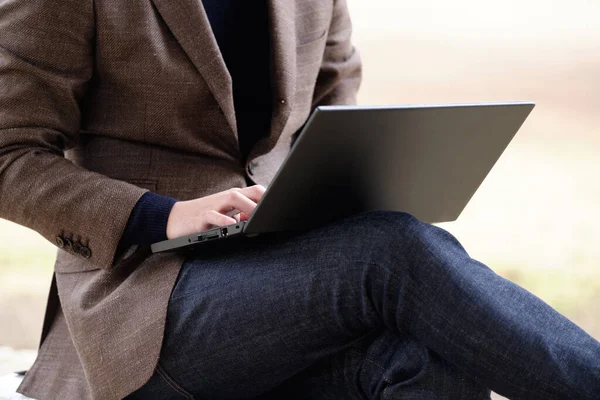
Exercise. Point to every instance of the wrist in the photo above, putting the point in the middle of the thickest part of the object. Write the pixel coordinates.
(173, 226)
(148, 220)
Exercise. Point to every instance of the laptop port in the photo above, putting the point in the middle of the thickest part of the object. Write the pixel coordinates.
(224, 231)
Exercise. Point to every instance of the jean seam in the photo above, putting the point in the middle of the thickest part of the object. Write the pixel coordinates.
(174, 385)
(387, 380)
(533, 376)
(384, 371)
(384, 394)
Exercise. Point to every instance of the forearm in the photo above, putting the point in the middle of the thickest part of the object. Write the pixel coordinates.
(60, 200)
(42, 83)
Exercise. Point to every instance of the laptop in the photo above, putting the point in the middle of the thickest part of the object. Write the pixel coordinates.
(426, 160)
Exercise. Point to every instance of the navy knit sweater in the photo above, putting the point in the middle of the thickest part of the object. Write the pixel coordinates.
(241, 30)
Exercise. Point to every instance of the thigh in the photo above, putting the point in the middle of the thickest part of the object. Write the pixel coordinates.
(244, 317)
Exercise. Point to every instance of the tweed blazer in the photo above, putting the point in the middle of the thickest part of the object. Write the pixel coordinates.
(102, 100)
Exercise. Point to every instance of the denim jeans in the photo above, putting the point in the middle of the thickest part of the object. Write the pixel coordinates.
(374, 306)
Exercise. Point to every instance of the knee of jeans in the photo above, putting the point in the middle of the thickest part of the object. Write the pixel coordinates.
(387, 232)
(392, 224)
(371, 242)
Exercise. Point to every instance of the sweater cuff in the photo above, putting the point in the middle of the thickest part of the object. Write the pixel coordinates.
(148, 220)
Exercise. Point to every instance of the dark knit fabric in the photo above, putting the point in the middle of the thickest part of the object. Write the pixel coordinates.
(148, 221)
(241, 28)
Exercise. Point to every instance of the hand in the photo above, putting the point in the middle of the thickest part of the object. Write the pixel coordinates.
(220, 209)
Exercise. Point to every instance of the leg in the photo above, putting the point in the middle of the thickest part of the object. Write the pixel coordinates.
(383, 366)
(245, 318)
(495, 330)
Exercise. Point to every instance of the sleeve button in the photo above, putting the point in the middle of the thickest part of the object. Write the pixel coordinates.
(60, 242)
(76, 247)
(85, 252)
(68, 243)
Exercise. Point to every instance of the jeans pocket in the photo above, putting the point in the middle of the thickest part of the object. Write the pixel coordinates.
(166, 379)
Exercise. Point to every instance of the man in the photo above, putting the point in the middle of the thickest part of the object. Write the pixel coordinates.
(173, 114)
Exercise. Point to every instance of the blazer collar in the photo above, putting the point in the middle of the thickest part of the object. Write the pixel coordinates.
(189, 23)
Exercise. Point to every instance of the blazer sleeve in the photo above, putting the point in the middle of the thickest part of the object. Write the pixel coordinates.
(46, 60)
(341, 70)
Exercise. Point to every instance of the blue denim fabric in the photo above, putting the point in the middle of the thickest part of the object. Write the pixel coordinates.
(374, 306)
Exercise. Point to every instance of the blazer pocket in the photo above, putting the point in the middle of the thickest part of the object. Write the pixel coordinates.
(144, 184)
(303, 41)
(311, 52)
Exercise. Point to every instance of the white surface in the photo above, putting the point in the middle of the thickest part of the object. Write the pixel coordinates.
(12, 360)
(8, 387)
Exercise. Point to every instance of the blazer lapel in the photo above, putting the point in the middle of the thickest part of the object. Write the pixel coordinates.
(189, 23)
(282, 19)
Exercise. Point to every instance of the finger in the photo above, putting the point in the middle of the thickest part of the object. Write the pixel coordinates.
(244, 217)
(234, 214)
(215, 218)
(254, 193)
(233, 200)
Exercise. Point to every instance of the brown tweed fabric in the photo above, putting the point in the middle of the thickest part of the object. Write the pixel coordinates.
(137, 96)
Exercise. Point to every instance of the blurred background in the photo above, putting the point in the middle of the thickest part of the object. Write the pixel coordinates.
(535, 219)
